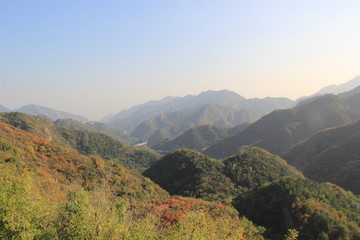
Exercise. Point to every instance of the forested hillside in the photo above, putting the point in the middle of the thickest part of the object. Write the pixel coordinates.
(279, 130)
(316, 211)
(94, 127)
(51, 192)
(175, 123)
(332, 155)
(189, 173)
(85, 142)
(199, 138)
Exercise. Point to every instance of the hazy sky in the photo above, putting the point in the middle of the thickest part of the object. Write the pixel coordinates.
(98, 57)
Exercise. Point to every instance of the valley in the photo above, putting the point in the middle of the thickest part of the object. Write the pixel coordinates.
(219, 165)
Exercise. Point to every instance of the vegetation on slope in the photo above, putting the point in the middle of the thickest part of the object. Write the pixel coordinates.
(255, 166)
(279, 130)
(93, 127)
(24, 152)
(93, 143)
(86, 142)
(175, 123)
(189, 173)
(198, 138)
(332, 155)
(316, 211)
(51, 192)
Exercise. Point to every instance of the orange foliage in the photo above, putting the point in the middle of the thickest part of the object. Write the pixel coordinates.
(45, 174)
(57, 166)
(174, 209)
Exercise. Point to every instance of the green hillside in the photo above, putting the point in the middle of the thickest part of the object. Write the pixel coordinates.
(198, 138)
(92, 126)
(331, 155)
(255, 166)
(352, 98)
(23, 152)
(85, 142)
(279, 130)
(189, 173)
(48, 191)
(316, 211)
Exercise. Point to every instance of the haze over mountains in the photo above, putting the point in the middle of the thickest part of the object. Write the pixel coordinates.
(332, 155)
(172, 124)
(334, 89)
(199, 138)
(129, 119)
(85, 141)
(163, 120)
(4, 109)
(50, 113)
(281, 129)
(179, 120)
(96, 182)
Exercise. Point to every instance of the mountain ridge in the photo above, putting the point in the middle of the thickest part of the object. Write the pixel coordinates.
(83, 141)
(130, 118)
(335, 88)
(331, 155)
(281, 129)
(35, 109)
(198, 138)
(172, 124)
(189, 173)
(4, 109)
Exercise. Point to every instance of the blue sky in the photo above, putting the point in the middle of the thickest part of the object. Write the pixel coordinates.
(99, 57)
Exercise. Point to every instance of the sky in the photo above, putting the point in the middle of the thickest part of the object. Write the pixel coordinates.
(96, 58)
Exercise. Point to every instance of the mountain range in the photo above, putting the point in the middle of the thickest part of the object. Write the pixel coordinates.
(92, 126)
(189, 173)
(50, 191)
(83, 141)
(317, 211)
(168, 125)
(4, 109)
(335, 89)
(46, 112)
(129, 119)
(279, 130)
(56, 180)
(199, 138)
(331, 155)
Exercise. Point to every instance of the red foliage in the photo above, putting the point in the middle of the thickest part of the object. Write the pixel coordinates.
(57, 166)
(174, 209)
(169, 218)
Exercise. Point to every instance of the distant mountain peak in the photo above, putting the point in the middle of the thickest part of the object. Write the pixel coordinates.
(4, 109)
(335, 88)
(35, 109)
(339, 88)
(131, 118)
